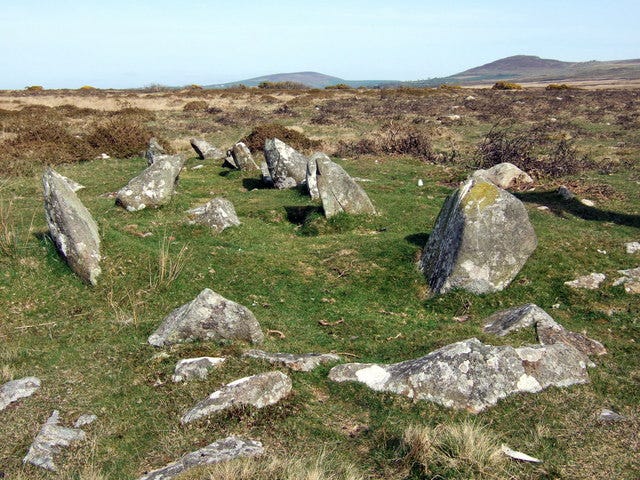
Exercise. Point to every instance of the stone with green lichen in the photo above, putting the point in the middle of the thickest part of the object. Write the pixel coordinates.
(481, 240)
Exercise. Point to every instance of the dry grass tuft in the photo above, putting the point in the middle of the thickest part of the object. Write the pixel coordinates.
(169, 266)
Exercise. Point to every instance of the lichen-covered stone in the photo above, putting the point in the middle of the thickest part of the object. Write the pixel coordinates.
(71, 226)
(242, 157)
(258, 391)
(312, 179)
(471, 375)
(154, 150)
(209, 316)
(216, 452)
(287, 167)
(195, 368)
(481, 239)
(587, 282)
(299, 362)
(504, 175)
(630, 279)
(338, 191)
(205, 150)
(49, 441)
(16, 389)
(216, 214)
(154, 187)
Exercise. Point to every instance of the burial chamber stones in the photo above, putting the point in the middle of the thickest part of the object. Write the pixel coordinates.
(481, 239)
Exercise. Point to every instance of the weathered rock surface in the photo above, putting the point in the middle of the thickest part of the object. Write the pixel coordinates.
(242, 157)
(205, 150)
(481, 239)
(338, 191)
(588, 282)
(312, 178)
(286, 165)
(504, 175)
(548, 330)
(16, 389)
(49, 441)
(73, 185)
(219, 451)
(630, 279)
(154, 187)
(266, 175)
(258, 391)
(209, 316)
(216, 214)
(71, 227)
(195, 368)
(85, 419)
(154, 150)
(300, 363)
(632, 247)
(607, 415)
(471, 375)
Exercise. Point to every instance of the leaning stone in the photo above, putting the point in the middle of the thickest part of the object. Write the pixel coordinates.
(242, 157)
(195, 368)
(607, 415)
(85, 419)
(632, 247)
(504, 175)
(72, 227)
(312, 178)
(481, 239)
(205, 150)
(258, 391)
(471, 375)
(299, 363)
(209, 316)
(216, 452)
(154, 187)
(49, 441)
(284, 162)
(338, 191)
(216, 214)
(588, 282)
(16, 389)
(630, 279)
(266, 175)
(154, 150)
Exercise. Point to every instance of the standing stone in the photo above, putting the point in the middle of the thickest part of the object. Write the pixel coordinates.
(298, 362)
(242, 157)
(209, 316)
(266, 175)
(216, 452)
(338, 191)
(49, 441)
(258, 391)
(481, 240)
(16, 389)
(205, 150)
(197, 368)
(154, 187)
(154, 150)
(471, 375)
(504, 175)
(287, 167)
(71, 227)
(312, 177)
(216, 214)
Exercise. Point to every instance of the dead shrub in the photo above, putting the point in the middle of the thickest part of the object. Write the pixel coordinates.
(255, 140)
(282, 86)
(195, 106)
(506, 86)
(120, 137)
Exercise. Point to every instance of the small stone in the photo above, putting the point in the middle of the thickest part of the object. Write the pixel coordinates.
(16, 389)
(86, 419)
(420, 182)
(543, 208)
(587, 202)
(266, 175)
(632, 247)
(217, 214)
(607, 415)
(197, 167)
(300, 363)
(195, 368)
(630, 279)
(565, 193)
(518, 455)
(588, 282)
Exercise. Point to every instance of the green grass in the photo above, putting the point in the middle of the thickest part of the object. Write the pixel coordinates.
(294, 270)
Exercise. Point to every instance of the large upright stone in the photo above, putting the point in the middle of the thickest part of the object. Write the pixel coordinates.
(205, 150)
(154, 187)
(72, 227)
(481, 240)
(242, 157)
(216, 214)
(287, 167)
(209, 316)
(338, 191)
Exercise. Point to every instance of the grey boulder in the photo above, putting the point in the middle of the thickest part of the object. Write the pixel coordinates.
(298, 362)
(154, 150)
(266, 175)
(242, 157)
(216, 452)
(471, 375)
(209, 316)
(287, 167)
(49, 441)
(205, 150)
(481, 239)
(154, 187)
(195, 368)
(257, 390)
(216, 214)
(504, 175)
(16, 389)
(71, 227)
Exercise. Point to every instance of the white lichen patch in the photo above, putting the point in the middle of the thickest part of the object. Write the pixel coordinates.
(526, 383)
(374, 377)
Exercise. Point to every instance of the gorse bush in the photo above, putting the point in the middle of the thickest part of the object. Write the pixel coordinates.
(559, 86)
(255, 140)
(120, 137)
(506, 86)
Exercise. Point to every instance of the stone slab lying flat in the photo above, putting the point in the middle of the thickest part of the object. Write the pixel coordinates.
(195, 368)
(16, 389)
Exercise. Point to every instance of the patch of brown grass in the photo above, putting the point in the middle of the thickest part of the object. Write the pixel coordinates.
(255, 140)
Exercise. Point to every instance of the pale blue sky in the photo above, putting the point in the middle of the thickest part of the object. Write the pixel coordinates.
(119, 44)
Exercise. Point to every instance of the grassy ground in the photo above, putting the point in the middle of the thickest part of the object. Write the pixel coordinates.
(348, 286)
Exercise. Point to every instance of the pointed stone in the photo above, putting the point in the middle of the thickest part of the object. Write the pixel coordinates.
(216, 214)
(287, 167)
(242, 157)
(154, 150)
(71, 227)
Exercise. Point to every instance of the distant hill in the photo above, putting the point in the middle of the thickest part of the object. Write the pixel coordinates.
(529, 68)
(310, 79)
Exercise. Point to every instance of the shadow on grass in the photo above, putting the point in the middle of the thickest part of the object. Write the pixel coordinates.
(298, 214)
(574, 207)
(418, 239)
(254, 184)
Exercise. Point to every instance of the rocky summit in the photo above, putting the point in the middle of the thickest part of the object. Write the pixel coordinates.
(71, 226)
(481, 239)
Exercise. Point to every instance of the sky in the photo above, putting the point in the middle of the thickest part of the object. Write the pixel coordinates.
(129, 44)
